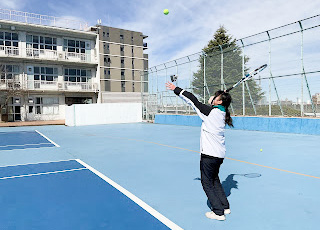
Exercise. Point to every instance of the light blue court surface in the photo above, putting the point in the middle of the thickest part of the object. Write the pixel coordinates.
(23, 140)
(158, 165)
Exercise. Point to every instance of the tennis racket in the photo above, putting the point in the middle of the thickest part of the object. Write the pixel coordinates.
(248, 76)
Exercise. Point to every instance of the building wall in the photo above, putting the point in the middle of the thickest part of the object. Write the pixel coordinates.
(134, 61)
(53, 89)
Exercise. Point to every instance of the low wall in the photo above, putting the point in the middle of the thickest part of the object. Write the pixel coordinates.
(106, 113)
(268, 124)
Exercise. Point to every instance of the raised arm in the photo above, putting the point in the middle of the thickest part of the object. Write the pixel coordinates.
(201, 109)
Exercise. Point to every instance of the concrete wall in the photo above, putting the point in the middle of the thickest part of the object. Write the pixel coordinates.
(109, 113)
(268, 124)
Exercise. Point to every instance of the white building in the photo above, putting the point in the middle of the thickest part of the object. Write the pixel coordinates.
(48, 62)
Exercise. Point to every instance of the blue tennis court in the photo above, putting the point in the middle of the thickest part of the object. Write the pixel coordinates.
(67, 195)
(159, 165)
(23, 140)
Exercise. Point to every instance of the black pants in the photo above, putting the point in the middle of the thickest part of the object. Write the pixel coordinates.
(209, 167)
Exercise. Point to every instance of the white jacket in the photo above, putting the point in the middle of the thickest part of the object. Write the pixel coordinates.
(212, 140)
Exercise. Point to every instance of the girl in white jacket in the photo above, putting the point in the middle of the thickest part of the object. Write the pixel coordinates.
(212, 145)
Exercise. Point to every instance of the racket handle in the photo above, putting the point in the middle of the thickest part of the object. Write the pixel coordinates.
(227, 90)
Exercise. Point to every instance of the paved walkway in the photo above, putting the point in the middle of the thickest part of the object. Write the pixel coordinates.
(31, 123)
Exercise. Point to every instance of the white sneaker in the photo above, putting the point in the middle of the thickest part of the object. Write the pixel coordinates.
(212, 215)
(227, 211)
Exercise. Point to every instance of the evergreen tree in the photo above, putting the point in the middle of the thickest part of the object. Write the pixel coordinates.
(232, 70)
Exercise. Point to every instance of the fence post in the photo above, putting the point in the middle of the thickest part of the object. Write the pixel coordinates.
(204, 77)
(271, 79)
(221, 67)
(303, 73)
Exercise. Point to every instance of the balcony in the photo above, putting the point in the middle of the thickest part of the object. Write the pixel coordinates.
(42, 54)
(11, 84)
(62, 86)
(26, 85)
(9, 51)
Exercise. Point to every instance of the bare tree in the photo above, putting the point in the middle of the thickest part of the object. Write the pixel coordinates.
(10, 87)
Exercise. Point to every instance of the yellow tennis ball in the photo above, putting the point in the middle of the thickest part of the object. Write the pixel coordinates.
(166, 11)
(260, 150)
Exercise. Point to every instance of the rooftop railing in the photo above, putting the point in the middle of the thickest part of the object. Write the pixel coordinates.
(45, 20)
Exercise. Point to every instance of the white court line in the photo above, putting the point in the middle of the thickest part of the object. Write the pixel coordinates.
(37, 163)
(26, 144)
(45, 173)
(17, 132)
(135, 199)
(48, 139)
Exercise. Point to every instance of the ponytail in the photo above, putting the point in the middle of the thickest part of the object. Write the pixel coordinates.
(228, 118)
(226, 101)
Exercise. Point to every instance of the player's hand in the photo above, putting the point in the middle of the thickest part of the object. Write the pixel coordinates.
(170, 86)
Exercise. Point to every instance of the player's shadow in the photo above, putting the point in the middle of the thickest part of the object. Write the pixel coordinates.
(230, 183)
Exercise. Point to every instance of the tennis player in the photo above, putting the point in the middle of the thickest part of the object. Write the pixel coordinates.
(212, 145)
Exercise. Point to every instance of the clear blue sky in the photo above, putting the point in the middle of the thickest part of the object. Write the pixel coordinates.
(187, 28)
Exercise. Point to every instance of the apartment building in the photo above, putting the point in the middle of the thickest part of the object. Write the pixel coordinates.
(121, 64)
(45, 66)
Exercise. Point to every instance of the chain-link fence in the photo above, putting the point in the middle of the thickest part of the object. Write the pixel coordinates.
(289, 86)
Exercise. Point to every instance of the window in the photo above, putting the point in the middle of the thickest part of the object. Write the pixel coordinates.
(104, 34)
(131, 38)
(77, 75)
(46, 105)
(121, 48)
(122, 60)
(74, 46)
(9, 72)
(107, 59)
(106, 72)
(45, 73)
(107, 35)
(121, 36)
(123, 86)
(9, 39)
(41, 42)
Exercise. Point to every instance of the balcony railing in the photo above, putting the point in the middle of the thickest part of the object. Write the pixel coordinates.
(41, 54)
(6, 51)
(61, 86)
(11, 84)
(9, 51)
(24, 85)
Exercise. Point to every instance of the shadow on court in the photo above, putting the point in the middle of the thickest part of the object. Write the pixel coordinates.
(230, 183)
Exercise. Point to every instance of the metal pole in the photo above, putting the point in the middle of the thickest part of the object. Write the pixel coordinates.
(190, 77)
(177, 85)
(166, 81)
(271, 79)
(221, 67)
(204, 77)
(303, 72)
(243, 92)
(141, 91)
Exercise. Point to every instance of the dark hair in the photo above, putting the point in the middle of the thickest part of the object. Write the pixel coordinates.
(226, 101)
